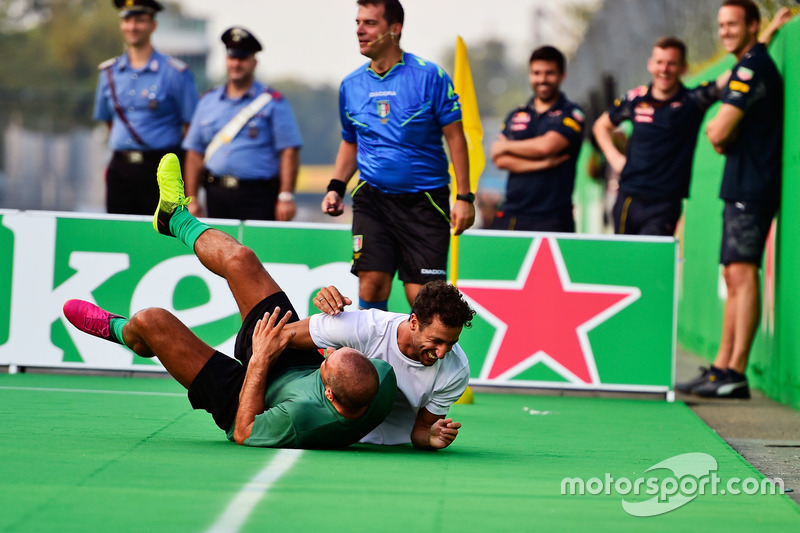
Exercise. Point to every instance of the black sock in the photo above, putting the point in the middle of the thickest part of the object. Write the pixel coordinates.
(735, 375)
(718, 372)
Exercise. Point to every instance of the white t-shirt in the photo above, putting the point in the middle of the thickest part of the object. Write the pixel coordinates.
(374, 333)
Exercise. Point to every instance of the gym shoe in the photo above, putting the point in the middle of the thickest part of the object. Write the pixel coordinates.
(723, 386)
(687, 386)
(171, 196)
(90, 319)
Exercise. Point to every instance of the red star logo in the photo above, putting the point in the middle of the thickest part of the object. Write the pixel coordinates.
(543, 317)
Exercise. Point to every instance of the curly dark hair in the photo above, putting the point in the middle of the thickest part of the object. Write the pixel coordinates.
(440, 299)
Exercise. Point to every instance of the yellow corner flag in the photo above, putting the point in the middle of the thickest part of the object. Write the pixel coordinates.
(473, 131)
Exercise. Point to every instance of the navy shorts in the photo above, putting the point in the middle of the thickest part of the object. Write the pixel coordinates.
(216, 387)
(405, 233)
(640, 215)
(745, 227)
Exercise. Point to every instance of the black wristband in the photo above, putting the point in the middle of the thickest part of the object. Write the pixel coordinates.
(337, 186)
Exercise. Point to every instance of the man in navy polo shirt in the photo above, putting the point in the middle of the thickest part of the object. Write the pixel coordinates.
(394, 111)
(657, 166)
(748, 130)
(539, 146)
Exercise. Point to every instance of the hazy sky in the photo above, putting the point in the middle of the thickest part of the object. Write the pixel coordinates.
(315, 39)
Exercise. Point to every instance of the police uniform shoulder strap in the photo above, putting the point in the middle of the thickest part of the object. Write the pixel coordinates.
(107, 63)
(229, 130)
(121, 112)
(276, 94)
(177, 64)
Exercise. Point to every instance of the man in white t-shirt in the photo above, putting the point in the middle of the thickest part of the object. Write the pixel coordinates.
(431, 368)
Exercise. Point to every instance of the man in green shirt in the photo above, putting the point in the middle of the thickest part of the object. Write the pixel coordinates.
(284, 396)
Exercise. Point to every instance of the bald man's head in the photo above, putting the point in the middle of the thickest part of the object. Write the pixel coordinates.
(351, 377)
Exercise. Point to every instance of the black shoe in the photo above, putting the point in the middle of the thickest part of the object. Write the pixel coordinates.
(687, 386)
(723, 386)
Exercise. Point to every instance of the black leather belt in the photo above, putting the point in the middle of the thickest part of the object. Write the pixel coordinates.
(226, 181)
(134, 157)
(138, 157)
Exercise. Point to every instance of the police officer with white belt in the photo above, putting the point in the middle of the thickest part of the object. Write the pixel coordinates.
(243, 144)
(147, 99)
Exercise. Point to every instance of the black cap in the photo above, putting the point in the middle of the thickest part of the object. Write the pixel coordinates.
(135, 7)
(240, 42)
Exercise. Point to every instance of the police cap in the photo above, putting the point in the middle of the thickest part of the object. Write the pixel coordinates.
(240, 42)
(135, 7)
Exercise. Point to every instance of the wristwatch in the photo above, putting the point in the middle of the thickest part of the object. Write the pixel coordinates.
(469, 197)
(285, 196)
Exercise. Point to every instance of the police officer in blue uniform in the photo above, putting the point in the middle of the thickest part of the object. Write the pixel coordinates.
(243, 144)
(539, 146)
(147, 99)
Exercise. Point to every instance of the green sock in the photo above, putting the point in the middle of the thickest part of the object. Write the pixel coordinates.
(185, 227)
(116, 325)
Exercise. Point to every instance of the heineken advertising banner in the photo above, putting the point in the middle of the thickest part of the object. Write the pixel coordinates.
(553, 311)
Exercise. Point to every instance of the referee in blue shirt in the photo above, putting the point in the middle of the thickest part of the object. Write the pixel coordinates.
(243, 145)
(147, 99)
(394, 111)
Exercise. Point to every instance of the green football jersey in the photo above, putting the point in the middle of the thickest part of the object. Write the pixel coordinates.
(298, 415)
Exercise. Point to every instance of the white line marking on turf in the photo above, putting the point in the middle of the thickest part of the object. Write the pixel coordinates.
(242, 505)
(90, 391)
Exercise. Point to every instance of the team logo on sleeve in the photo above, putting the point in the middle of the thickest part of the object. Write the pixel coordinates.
(572, 124)
(383, 110)
(739, 87)
(641, 90)
(744, 73)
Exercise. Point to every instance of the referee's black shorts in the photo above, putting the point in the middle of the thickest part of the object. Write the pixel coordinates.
(407, 233)
(216, 387)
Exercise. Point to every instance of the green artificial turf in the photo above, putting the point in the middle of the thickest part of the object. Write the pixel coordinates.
(135, 457)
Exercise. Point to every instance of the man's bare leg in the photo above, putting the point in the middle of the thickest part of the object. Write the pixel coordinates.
(219, 252)
(152, 332)
(246, 276)
(157, 332)
(411, 292)
(374, 288)
(744, 277)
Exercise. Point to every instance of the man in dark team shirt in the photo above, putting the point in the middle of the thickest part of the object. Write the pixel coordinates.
(539, 147)
(748, 130)
(657, 167)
